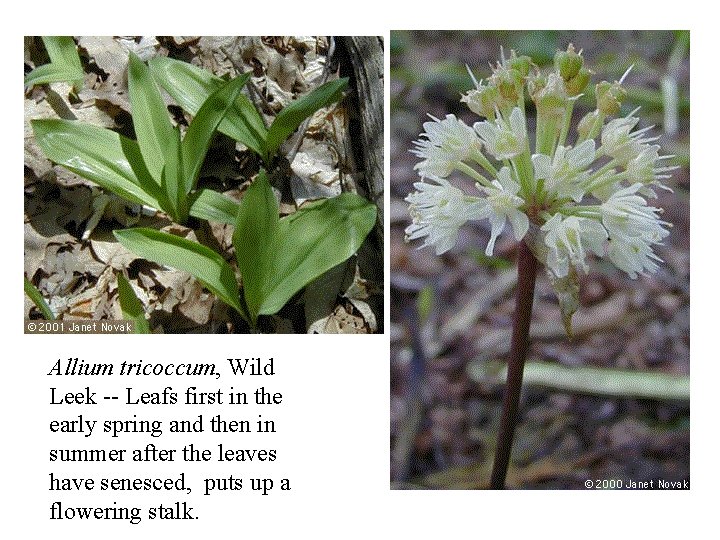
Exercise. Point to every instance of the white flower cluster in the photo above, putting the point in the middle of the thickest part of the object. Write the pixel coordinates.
(590, 197)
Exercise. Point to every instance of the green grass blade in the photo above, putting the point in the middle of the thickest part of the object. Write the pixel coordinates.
(38, 300)
(132, 308)
(254, 240)
(190, 86)
(203, 263)
(199, 134)
(103, 156)
(210, 205)
(288, 120)
(150, 117)
(313, 240)
(64, 63)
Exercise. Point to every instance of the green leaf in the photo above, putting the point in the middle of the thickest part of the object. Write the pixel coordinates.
(38, 300)
(171, 181)
(64, 63)
(150, 117)
(254, 240)
(110, 160)
(277, 258)
(132, 308)
(210, 205)
(199, 134)
(190, 86)
(202, 262)
(288, 120)
(313, 240)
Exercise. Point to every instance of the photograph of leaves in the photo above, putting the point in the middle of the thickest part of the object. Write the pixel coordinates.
(205, 185)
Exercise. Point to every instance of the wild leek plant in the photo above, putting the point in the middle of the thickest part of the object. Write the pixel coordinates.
(276, 256)
(190, 86)
(158, 170)
(565, 197)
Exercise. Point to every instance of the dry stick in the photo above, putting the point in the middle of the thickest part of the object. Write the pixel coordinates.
(527, 268)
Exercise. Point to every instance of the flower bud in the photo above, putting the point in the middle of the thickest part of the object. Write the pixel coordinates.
(551, 98)
(484, 100)
(578, 83)
(609, 97)
(587, 124)
(521, 64)
(508, 82)
(568, 63)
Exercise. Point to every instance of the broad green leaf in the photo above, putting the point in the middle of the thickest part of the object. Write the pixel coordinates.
(254, 240)
(277, 258)
(210, 205)
(202, 262)
(313, 240)
(171, 181)
(190, 86)
(150, 117)
(199, 134)
(110, 160)
(49, 73)
(64, 63)
(132, 308)
(288, 120)
(38, 300)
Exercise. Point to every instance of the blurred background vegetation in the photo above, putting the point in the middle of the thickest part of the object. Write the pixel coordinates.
(451, 315)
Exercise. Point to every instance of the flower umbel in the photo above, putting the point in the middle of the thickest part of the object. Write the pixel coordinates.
(586, 196)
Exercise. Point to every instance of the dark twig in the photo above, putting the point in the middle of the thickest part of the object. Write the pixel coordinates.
(303, 127)
(527, 268)
(255, 92)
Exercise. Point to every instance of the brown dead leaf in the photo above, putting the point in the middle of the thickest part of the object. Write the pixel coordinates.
(339, 322)
(196, 303)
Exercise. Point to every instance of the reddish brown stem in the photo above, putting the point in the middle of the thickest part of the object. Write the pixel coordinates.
(527, 268)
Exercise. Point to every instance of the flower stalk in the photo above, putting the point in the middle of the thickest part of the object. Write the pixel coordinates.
(527, 270)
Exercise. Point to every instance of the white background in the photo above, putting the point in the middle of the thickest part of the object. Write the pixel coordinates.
(333, 429)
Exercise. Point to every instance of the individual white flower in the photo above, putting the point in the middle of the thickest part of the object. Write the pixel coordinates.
(642, 168)
(447, 142)
(438, 211)
(568, 241)
(633, 228)
(566, 172)
(504, 139)
(627, 215)
(502, 202)
(632, 255)
(619, 143)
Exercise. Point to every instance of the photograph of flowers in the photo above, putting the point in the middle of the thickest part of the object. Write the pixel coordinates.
(540, 259)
